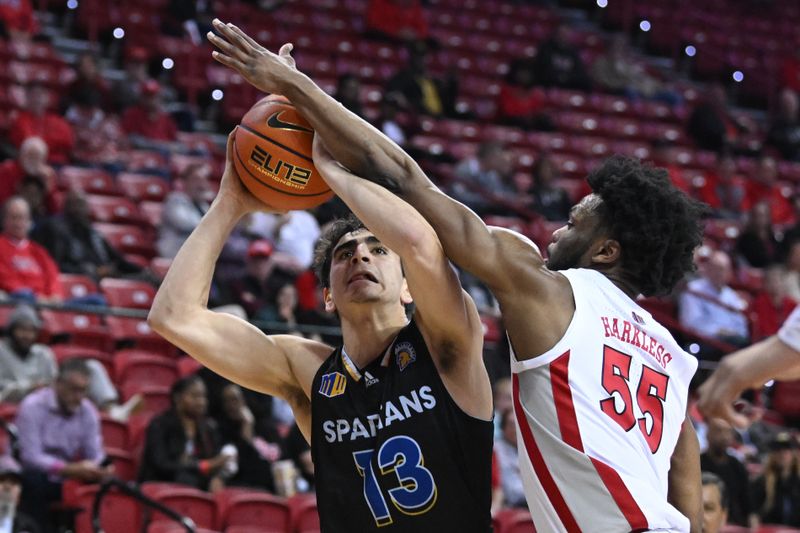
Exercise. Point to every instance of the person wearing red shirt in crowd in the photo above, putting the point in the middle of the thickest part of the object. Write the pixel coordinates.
(723, 189)
(763, 187)
(16, 19)
(790, 71)
(31, 161)
(757, 243)
(37, 121)
(520, 102)
(771, 305)
(663, 155)
(26, 269)
(147, 119)
(397, 19)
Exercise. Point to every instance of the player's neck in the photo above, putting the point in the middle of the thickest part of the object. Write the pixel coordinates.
(366, 335)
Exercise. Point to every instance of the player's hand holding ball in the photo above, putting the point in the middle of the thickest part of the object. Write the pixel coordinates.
(231, 188)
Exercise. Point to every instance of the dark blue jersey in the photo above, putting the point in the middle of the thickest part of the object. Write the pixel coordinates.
(392, 450)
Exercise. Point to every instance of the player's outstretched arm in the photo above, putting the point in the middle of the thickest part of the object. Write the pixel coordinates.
(280, 365)
(447, 315)
(496, 256)
(685, 489)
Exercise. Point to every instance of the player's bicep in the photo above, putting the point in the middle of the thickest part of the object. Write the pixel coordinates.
(236, 350)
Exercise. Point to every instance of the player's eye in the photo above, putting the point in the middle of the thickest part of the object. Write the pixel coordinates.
(380, 250)
(346, 254)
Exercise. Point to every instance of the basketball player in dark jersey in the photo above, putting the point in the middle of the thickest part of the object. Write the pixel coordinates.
(399, 417)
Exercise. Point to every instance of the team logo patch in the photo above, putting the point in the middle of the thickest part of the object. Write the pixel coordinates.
(405, 355)
(637, 318)
(332, 384)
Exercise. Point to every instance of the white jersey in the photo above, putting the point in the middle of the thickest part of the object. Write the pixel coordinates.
(599, 416)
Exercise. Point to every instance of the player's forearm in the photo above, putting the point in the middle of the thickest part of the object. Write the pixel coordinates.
(351, 140)
(188, 281)
(685, 489)
(755, 365)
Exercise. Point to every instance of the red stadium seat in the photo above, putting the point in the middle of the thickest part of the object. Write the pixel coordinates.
(143, 160)
(142, 186)
(124, 465)
(119, 513)
(127, 239)
(151, 212)
(305, 517)
(132, 367)
(79, 329)
(786, 398)
(89, 180)
(113, 209)
(160, 266)
(514, 521)
(196, 504)
(137, 333)
(77, 286)
(128, 293)
(269, 512)
(115, 433)
(188, 366)
(156, 399)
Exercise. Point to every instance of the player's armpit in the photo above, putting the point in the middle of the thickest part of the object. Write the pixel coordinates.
(685, 489)
(279, 365)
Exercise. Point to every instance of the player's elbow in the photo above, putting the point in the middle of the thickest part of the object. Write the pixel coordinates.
(162, 315)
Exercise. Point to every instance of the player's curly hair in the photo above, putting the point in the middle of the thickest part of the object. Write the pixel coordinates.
(656, 224)
(323, 250)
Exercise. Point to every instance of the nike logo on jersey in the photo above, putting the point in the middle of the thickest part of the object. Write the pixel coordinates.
(274, 121)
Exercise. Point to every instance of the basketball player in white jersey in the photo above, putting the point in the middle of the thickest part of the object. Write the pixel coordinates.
(776, 357)
(600, 388)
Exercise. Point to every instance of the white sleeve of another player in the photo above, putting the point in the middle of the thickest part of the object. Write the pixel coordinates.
(790, 331)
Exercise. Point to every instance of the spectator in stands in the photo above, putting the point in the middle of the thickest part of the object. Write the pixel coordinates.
(25, 365)
(293, 234)
(723, 189)
(777, 491)
(421, 92)
(757, 243)
(182, 444)
(710, 124)
(297, 449)
(616, 71)
(88, 85)
(36, 121)
(12, 520)
(184, 208)
(485, 178)
(31, 162)
(126, 92)
(715, 503)
(505, 449)
(402, 20)
(784, 131)
(348, 93)
(549, 200)
(189, 17)
(77, 247)
(16, 20)
(792, 269)
(254, 439)
(26, 269)
(251, 291)
(282, 307)
(146, 122)
(100, 138)
(664, 155)
(771, 305)
(710, 307)
(718, 460)
(388, 122)
(558, 63)
(59, 438)
(520, 102)
(33, 191)
(763, 186)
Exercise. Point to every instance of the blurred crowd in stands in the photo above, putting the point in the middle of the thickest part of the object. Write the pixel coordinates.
(109, 157)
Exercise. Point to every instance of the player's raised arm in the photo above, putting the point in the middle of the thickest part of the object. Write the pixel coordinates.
(367, 152)
(447, 315)
(224, 343)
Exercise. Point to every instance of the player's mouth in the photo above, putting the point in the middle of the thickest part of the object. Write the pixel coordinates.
(362, 276)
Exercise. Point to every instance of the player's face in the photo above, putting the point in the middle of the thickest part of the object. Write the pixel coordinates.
(714, 515)
(364, 270)
(571, 244)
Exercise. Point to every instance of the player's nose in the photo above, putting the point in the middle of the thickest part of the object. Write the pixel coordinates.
(361, 253)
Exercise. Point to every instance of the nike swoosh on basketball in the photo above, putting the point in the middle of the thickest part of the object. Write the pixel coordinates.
(274, 121)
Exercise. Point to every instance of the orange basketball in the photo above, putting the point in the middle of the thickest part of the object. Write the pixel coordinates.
(272, 156)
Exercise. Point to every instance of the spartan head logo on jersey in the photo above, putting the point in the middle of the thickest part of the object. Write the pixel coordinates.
(405, 355)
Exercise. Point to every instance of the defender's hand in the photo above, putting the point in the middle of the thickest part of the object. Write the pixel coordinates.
(265, 70)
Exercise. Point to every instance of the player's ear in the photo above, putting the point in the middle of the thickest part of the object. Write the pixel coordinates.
(608, 252)
(330, 307)
(405, 293)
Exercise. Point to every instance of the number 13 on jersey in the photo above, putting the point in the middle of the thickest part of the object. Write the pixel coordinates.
(416, 493)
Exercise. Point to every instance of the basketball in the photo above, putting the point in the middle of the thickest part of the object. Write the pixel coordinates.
(272, 156)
